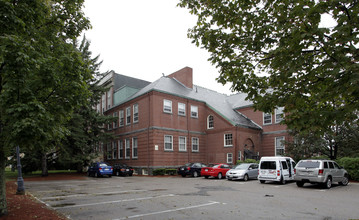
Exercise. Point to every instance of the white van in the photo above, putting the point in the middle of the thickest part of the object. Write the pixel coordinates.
(279, 169)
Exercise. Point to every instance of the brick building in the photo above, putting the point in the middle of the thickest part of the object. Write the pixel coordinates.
(171, 121)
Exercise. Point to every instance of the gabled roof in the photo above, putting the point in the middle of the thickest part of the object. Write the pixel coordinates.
(220, 103)
(122, 80)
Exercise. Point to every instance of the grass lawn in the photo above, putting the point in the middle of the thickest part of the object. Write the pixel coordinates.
(10, 176)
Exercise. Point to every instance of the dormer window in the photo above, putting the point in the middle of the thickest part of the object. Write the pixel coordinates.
(210, 122)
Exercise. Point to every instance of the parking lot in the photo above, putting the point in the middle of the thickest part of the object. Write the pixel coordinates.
(174, 197)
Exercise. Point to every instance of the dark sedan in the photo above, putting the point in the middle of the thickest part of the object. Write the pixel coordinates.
(192, 169)
(99, 169)
(122, 170)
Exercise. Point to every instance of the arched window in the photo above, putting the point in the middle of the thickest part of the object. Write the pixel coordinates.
(210, 122)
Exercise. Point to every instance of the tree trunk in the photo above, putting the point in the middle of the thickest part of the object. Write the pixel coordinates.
(3, 205)
(45, 172)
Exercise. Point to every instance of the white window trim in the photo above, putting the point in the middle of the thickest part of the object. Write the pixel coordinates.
(184, 109)
(197, 144)
(224, 137)
(128, 110)
(279, 111)
(185, 144)
(133, 147)
(135, 121)
(121, 117)
(164, 105)
(230, 156)
(164, 141)
(129, 144)
(115, 123)
(194, 107)
(120, 146)
(276, 147)
(271, 118)
(209, 121)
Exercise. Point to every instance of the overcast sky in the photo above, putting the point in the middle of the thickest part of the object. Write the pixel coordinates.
(143, 39)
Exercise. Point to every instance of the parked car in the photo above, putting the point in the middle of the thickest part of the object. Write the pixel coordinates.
(122, 170)
(215, 170)
(279, 169)
(244, 171)
(99, 169)
(192, 169)
(323, 172)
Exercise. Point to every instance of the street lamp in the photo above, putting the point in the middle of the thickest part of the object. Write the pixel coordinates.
(20, 181)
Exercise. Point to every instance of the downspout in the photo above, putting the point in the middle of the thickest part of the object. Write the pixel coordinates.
(236, 153)
(188, 134)
(148, 132)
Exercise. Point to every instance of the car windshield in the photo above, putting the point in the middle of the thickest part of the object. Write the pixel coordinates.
(242, 166)
(103, 165)
(309, 164)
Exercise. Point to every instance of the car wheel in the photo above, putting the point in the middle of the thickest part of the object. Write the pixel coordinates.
(345, 180)
(328, 183)
(219, 176)
(195, 174)
(130, 174)
(183, 175)
(300, 184)
(110, 176)
(262, 181)
(246, 178)
(206, 177)
(282, 181)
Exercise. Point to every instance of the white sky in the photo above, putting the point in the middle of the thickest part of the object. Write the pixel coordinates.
(143, 39)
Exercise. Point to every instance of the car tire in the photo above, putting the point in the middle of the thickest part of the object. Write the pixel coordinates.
(130, 174)
(195, 174)
(183, 175)
(282, 181)
(300, 184)
(345, 180)
(246, 178)
(328, 183)
(206, 177)
(262, 181)
(220, 176)
(109, 176)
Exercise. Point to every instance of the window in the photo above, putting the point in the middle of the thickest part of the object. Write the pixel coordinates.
(109, 126)
(210, 122)
(182, 144)
(230, 158)
(120, 152)
(128, 115)
(167, 106)
(103, 103)
(267, 118)
(115, 123)
(127, 150)
(279, 146)
(135, 113)
(114, 151)
(109, 98)
(182, 109)
(134, 148)
(122, 118)
(228, 142)
(279, 114)
(284, 165)
(109, 151)
(168, 143)
(194, 111)
(239, 155)
(195, 144)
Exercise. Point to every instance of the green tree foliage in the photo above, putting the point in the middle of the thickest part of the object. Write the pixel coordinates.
(42, 76)
(280, 54)
(86, 126)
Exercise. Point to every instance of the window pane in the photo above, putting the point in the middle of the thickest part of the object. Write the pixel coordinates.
(182, 143)
(181, 109)
(167, 106)
(135, 113)
(194, 111)
(228, 140)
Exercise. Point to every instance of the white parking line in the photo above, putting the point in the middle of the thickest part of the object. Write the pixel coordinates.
(166, 211)
(104, 193)
(117, 201)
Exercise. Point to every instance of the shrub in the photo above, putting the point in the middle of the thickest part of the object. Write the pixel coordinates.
(247, 161)
(164, 171)
(351, 165)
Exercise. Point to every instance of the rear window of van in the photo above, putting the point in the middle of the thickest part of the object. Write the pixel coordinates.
(268, 165)
(309, 164)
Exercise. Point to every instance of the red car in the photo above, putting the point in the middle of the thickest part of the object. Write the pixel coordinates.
(215, 170)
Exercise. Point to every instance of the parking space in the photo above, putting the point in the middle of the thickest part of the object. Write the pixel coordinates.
(193, 198)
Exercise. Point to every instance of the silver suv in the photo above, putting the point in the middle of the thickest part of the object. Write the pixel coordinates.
(323, 172)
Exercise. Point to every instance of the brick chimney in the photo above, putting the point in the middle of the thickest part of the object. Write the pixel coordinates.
(184, 75)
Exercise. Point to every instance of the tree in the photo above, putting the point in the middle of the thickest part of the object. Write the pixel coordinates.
(42, 76)
(86, 125)
(280, 53)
